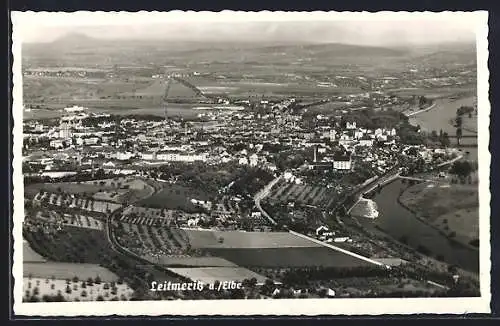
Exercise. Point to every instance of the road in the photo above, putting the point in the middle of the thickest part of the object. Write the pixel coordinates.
(263, 194)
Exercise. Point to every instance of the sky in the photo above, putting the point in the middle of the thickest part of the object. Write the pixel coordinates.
(365, 29)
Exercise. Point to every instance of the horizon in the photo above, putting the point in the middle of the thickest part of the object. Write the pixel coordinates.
(266, 42)
(399, 30)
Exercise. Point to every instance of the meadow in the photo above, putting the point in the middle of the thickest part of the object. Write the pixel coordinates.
(242, 239)
(454, 210)
(174, 196)
(287, 257)
(63, 271)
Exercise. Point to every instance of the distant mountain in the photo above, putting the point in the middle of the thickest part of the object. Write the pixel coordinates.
(75, 39)
(81, 48)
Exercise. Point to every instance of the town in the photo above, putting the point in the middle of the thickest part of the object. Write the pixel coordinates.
(288, 194)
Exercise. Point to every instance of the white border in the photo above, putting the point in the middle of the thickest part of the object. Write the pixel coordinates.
(23, 20)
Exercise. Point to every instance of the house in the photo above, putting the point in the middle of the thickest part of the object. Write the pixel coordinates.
(149, 156)
(56, 143)
(298, 181)
(333, 133)
(342, 162)
(91, 141)
(366, 141)
(123, 156)
(256, 215)
(382, 138)
(243, 161)
(321, 229)
(350, 125)
(109, 165)
(253, 160)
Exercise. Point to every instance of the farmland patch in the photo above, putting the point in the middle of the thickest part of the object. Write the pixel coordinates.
(241, 239)
(287, 257)
(63, 271)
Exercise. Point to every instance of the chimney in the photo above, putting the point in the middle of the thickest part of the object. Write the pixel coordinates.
(315, 154)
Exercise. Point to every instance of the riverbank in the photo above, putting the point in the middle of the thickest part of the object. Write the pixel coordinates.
(422, 205)
(444, 110)
(432, 106)
(401, 224)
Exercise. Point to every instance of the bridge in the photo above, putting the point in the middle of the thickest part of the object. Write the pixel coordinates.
(463, 136)
(184, 82)
(168, 83)
(418, 179)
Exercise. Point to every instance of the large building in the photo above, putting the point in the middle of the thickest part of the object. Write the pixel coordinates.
(342, 162)
(168, 156)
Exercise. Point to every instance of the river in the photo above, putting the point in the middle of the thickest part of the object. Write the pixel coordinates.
(439, 119)
(397, 221)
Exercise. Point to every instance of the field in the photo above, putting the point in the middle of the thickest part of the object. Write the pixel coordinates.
(249, 240)
(76, 203)
(84, 245)
(152, 242)
(73, 291)
(454, 210)
(174, 196)
(29, 255)
(195, 261)
(63, 271)
(116, 190)
(287, 257)
(65, 219)
(209, 275)
(177, 91)
(303, 194)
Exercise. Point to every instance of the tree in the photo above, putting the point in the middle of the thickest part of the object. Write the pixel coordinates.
(461, 168)
(459, 134)
(445, 140)
(434, 135)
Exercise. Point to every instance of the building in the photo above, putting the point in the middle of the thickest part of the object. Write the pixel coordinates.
(350, 125)
(366, 141)
(180, 157)
(342, 162)
(123, 156)
(57, 143)
(148, 156)
(64, 131)
(91, 141)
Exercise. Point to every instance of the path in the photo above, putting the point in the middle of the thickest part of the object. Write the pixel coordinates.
(263, 194)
